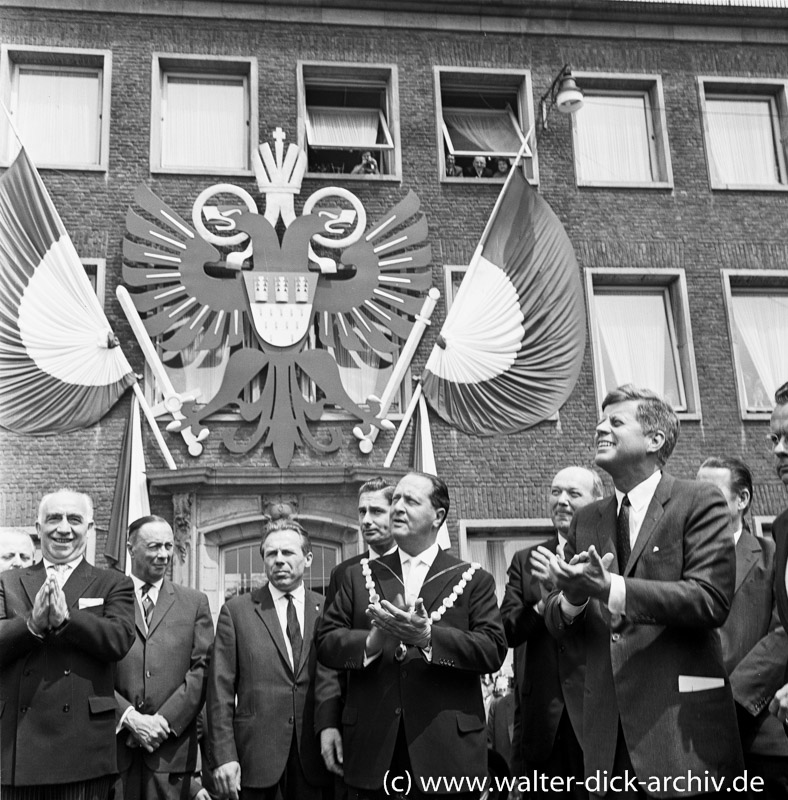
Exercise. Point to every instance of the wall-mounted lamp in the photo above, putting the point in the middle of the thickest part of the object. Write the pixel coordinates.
(563, 94)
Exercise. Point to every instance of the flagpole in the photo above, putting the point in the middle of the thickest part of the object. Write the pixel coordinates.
(146, 409)
(403, 426)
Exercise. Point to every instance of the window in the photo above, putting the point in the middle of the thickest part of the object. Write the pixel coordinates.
(744, 124)
(57, 89)
(483, 114)
(96, 269)
(757, 304)
(620, 136)
(453, 278)
(345, 110)
(640, 333)
(204, 114)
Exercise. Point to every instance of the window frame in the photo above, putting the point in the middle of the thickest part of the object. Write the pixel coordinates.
(497, 79)
(767, 281)
(674, 282)
(630, 84)
(166, 65)
(49, 59)
(747, 88)
(97, 267)
(337, 74)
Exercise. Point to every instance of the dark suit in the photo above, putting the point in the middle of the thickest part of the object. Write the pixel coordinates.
(439, 704)
(164, 673)
(335, 579)
(470, 172)
(780, 534)
(255, 704)
(500, 725)
(679, 584)
(57, 695)
(551, 688)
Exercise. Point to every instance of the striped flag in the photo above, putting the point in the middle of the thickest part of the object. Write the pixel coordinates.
(60, 367)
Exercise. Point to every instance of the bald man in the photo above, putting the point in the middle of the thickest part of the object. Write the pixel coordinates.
(16, 550)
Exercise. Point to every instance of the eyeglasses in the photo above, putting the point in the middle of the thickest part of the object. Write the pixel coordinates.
(774, 439)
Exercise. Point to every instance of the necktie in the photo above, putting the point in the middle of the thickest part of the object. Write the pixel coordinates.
(623, 547)
(60, 572)
(294, 631)
(147, 603)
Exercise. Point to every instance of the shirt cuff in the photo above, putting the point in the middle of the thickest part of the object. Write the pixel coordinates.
(34, 632)
(617, 600)
(569, 610)
(539, 608)
(122, 719)
(369, 659)
(427, 653)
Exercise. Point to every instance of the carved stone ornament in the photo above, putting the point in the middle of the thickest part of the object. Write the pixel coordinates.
(280, 312)
(182, 523)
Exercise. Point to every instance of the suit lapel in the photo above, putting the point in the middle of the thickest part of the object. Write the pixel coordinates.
(264, 607)
(387, 572)
(445, 573)
(33, 579)
(606, 530)
(747, 552)
(78, 582)
(656, 508)
(781, 538)
(312, 607)
(164, 603)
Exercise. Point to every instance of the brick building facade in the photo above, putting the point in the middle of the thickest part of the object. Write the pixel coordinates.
(689, 233)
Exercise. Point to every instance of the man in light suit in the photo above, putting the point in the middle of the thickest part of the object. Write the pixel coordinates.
(779, 442)
(261, 738)
(160, 684)
(549, 723)
(374, 508)
(648, 577)
(754, 643)
(415, 630)
(63, 625)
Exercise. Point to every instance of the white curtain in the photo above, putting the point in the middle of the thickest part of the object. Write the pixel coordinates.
(634, 334)
(762, 322)
(57, 115)
(205, 123)
(613, 139)
(481, 131)
(362, 373)
(343, 127)
(741, 139)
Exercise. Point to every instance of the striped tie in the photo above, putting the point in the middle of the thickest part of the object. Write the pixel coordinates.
(147, 603)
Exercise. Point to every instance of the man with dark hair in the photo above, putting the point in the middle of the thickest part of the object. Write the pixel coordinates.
(160, 684)
(63, 625)
(261, 740)
(754, 643)
(415, 630)
(374, 508)
(778, 438)
(646, 579)
(549, 716)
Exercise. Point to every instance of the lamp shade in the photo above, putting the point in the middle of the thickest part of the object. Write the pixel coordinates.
(569, 98)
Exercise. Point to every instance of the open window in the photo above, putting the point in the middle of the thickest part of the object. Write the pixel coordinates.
(483, 116)
(345, 111)
(62, 90)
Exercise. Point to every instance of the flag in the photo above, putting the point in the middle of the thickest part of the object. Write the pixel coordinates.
(511, 348)
(60, 368)
(424, 460)
(130, 501)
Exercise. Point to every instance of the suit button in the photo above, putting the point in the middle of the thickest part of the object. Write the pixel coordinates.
(66, 708)
(140, 703)
(28, 672)
(66, 671)
(615, 637)
(290, 721)
(404, 673)
(562, 649)
(23, 710)
(147, 673)
(397, 711)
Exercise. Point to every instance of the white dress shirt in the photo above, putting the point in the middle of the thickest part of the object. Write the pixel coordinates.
(280, 604)
(64, 573)
(373, 556)
(414, 571)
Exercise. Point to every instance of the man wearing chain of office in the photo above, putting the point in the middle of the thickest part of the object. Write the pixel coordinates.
(414, 630)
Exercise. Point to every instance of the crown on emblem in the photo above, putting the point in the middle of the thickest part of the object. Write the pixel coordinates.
(282, 173)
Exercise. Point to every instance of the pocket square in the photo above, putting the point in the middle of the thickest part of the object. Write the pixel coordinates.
(696, 683)
(90, 602)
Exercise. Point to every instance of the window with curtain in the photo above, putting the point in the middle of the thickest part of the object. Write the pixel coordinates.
(760, 344)
(67, 100)
(614, 139)
(487, 132)
(363, 373)
(204, 121)
(743, 141)
(636, 342)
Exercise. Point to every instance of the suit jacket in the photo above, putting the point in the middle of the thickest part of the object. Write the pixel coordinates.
(254, 700)
(164, 673)
(439, 704)
(554, 673)
(58, 694)
(470, 172)
(500, 725)
(335, 579)
(754, 644)
(780, 533)
(679, 584)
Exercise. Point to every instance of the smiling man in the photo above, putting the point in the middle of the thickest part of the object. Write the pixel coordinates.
(261, 740)
(160, 684)
(63, 625)
(647, 578)
(414, 630)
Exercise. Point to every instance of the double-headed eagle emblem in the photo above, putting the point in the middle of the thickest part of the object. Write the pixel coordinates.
(278, 308)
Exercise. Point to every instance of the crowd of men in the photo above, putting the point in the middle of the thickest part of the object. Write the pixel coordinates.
(651, 656)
